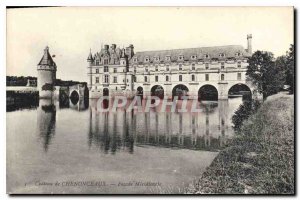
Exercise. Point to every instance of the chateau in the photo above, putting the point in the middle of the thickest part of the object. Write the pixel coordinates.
(194, 72)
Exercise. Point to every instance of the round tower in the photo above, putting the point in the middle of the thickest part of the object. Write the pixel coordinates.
(46, 75)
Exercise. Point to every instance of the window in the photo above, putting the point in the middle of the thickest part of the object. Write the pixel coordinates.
(145, 79)
(222, 65)
(147, 59)
(193, 57)
(135, 60)
(239, 64)
(115, 70)
(206, 65)
(115, 79)
(193, 77)
(106, 79)
(97, 71)
(222, 77)
(97, 79)
(239, 76)
(206, 56)
(238, 54)
(206, 77)
(167, 68)
(157, 59)
(222, 55)
(180, 57)
(168, 58)
(180, 77)
(156, 78)
(180, 66)
(97, 62)
(146, 69)
(167, 78)
(156, 68)
(105, 61)
(134, 78)
(134, 69)
(105, 68)
(193, 67)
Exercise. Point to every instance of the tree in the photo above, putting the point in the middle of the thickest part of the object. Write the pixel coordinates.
(265, 74)
(290, 69)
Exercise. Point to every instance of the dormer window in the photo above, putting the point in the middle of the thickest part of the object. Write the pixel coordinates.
(156, 59)
(147, 59)
(222, 55)
(193, 57)
(134, 59)
(180, 57)
(238, 54)
(206, 56)
(168, 58)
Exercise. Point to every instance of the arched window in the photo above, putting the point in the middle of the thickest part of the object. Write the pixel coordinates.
(145, 79)
(180, 77)
(167, 78)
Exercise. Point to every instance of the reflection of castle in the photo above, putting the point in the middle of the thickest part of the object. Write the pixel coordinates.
(46, 113)
(207, 130)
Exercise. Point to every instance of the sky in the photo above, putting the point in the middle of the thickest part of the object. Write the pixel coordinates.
(70, 32)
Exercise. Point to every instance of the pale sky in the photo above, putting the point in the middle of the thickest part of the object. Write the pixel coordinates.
(70, 32)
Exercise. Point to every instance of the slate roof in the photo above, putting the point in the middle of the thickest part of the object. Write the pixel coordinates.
(47, 59)
(229, 51)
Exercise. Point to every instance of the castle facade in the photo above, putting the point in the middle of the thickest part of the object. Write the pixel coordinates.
(191, 72)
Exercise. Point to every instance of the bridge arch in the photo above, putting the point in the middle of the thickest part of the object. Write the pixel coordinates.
(74, 97)
(240, 89)
(180, 90)
(208, 92)
(140, 91)
(157, 90)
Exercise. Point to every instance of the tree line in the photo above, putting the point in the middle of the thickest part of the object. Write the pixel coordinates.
(271, 74)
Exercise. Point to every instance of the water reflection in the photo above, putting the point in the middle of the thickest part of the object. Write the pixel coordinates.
(121, 130)
(46, 118)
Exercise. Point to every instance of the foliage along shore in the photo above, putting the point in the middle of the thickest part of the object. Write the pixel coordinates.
(260, 159)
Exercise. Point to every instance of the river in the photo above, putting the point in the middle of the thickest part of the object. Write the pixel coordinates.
(54, 148)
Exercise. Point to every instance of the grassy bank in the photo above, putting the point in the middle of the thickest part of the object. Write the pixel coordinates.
(260, 159)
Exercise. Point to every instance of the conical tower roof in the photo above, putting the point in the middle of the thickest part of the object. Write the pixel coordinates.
(47, 59)
(90, 56)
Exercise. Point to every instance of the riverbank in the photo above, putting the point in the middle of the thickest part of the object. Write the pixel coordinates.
(260, 159)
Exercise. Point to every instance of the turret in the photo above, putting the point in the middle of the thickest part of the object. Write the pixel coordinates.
(249, 43)
(90, 60)
(46, 75)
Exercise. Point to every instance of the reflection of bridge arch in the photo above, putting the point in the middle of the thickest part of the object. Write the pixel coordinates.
(180, 90)
(208, 92)
(240, 89)
(157, 90)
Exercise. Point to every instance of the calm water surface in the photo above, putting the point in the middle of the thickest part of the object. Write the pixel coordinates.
(53, 146)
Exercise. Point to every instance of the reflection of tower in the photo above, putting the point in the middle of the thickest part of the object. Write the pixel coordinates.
(46, 75)
(46, 121)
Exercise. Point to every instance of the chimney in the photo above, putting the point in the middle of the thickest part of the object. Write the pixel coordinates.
(113, 46)
(129, 51)
(249, 43)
